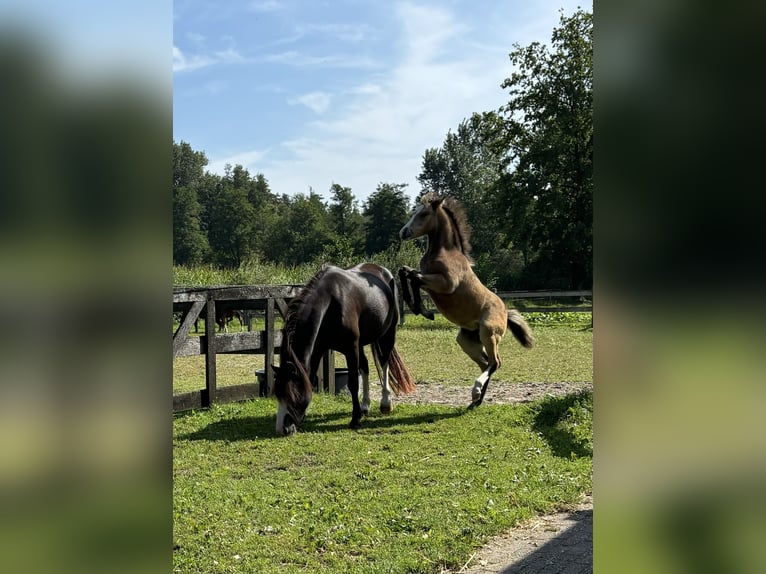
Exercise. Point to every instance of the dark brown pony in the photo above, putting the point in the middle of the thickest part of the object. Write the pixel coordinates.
(343, 310)
(446, 274)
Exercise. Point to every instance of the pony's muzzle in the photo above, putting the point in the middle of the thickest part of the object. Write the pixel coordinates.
(405, 233)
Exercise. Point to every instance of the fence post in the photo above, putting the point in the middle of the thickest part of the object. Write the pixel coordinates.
(268, 345)
(210, 383)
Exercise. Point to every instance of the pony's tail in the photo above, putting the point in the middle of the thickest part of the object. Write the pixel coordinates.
(399, 377)
(520, 329)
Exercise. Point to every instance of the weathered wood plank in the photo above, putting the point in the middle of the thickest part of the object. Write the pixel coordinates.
(542, 294)
(187, 401)
(233, 393)
(268, 344)
(182, 333)
(190, 346)
(237, 293)
(227, 394)
(245, 341)
(555, 309)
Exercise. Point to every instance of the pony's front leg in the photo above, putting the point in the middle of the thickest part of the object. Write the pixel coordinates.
(411, 279)
(353, 387)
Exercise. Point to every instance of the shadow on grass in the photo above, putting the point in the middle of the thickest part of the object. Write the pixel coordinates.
(263, 427)
(558, 420)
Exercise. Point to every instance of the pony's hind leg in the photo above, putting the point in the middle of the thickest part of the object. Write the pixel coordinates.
(385, 395)
(481, 346)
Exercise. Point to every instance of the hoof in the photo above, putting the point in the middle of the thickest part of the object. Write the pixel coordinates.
(365, 411)
(474, 404)
(428, 315)
(354, 425)
(386, 409)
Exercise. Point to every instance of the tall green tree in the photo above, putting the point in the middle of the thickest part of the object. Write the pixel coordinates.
(547, 190)
(190, 244)
(385, 213)
(302, 231)
(348, 222)
(231, 218)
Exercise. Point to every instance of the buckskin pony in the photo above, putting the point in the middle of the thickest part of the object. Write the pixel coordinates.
(446, 274)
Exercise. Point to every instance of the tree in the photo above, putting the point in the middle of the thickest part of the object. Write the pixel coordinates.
(467, 167)
(547, 191)
(190, 244)
(385, 213)
(302, 232)
(347, 221)
(231, 221)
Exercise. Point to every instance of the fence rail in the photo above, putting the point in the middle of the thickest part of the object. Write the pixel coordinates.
(518, 296)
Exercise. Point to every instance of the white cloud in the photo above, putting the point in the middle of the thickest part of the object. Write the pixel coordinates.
(182, 63)
(318, 102)
(188, 63)
(379, 130)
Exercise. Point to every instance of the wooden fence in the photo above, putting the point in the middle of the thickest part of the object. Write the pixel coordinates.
(204, 303)
(519, 297)
(269, 300)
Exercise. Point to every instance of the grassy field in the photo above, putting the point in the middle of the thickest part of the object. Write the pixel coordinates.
(563, 352)
(416, 491)
(413, 492)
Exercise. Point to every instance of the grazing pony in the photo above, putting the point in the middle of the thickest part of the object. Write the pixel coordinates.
(446, 274)
(343, 310)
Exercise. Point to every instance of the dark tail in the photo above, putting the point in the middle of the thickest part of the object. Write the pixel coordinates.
(399, 376)
(520, 329)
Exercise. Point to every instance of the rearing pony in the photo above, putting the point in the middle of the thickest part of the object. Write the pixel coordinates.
(343, 310)
(446, 274)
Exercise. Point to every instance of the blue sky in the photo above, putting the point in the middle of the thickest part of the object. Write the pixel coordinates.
(312, 93)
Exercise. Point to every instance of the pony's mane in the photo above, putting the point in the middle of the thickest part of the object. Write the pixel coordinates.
(292, 392)
(297, 302)
(454, 209)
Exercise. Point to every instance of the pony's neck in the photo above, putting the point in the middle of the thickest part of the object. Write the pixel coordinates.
(444, 235)
(304, 332)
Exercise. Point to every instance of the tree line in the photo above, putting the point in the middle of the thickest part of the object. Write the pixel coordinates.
(524, 174)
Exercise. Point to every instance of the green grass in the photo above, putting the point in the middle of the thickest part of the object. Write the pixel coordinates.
(563, 352)
(416, 491)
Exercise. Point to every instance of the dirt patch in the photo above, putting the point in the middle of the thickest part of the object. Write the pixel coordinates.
(498, 393)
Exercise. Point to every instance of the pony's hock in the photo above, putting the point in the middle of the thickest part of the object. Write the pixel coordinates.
(446, 274)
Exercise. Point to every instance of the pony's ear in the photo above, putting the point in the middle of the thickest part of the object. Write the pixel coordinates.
(437, 202)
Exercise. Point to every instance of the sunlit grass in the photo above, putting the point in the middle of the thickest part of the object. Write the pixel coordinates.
(429, 349)
(416, 491)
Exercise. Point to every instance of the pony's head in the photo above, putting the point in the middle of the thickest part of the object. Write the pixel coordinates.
(293, 390)
(424, 219)
(437, 213)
